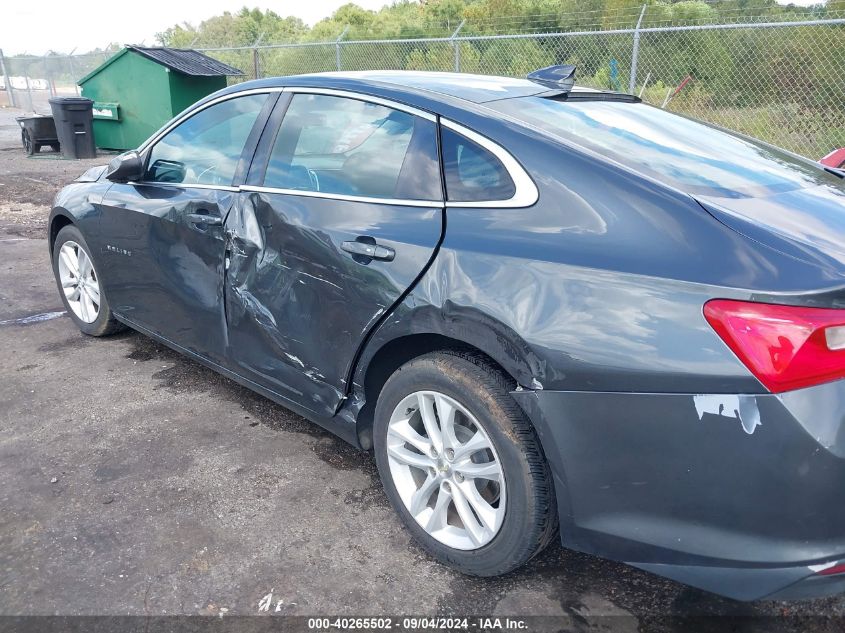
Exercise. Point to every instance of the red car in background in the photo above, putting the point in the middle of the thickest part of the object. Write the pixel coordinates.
(835, 159)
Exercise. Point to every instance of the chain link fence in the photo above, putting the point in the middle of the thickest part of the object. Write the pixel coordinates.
(783, 82)
(33, 80)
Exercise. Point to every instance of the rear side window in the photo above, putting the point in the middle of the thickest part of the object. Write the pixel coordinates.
(344, 146)
(473, 174)
(683, 153)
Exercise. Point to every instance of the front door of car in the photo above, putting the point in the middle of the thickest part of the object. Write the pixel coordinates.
(163, 236)
(342, 211)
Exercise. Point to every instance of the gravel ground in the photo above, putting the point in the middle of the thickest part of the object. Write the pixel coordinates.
(136, 482)
(28, 185)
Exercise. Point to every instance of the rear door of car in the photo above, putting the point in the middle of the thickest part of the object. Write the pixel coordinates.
(163, 236)
(341, 212)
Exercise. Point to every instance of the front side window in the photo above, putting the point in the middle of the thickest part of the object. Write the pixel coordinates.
(205, 149)
(473, 174)
(344, 146)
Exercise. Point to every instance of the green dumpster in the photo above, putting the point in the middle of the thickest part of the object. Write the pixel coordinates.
(139, 89)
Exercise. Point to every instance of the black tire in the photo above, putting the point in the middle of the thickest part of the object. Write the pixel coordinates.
(29, 146)
(105, 323)
(531, 521)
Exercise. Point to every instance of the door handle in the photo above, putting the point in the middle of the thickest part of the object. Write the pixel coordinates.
(202, 218)
(369, 249)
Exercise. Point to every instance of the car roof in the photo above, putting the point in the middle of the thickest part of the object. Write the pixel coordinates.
(468, 87)
(474, 88)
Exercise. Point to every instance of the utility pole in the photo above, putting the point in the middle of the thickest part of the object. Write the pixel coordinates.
(457, 46)
(7, 80)
(337, 46)
(29, 91)
(635, 53)
(73, 71)
(51, 86)
(256, 60)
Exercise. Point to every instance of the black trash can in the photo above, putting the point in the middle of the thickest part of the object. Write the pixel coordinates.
(73, 117)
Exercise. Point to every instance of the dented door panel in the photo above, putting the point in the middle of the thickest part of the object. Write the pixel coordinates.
(298, 306)
(163, 270)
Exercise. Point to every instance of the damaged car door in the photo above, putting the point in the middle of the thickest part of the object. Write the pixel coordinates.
(341, 213)
(163, 235)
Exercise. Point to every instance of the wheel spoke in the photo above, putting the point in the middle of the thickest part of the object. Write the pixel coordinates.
(483, 510)
(487, 470)
(92, 310)
(446, 414)
(409, 458)
(93, 291)
(70, 261)
(83, 306)
(72, 293)
(84, 263)
(473, 528)
(69, 283)
(440, 515)
(463, 452)
(419, 500)
(429, 419)
(404, 431)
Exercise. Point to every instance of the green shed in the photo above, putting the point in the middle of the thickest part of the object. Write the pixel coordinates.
(140, 89)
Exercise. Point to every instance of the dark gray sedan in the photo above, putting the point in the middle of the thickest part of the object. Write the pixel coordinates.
(551, 312)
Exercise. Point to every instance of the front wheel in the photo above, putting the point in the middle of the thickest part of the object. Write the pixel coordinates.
(462, 465)
(79, 284)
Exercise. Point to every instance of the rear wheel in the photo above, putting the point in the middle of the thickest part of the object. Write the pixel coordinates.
(79, 284)
(462, 465)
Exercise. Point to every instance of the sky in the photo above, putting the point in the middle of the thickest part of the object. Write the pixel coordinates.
(63, 25)
(37, 26)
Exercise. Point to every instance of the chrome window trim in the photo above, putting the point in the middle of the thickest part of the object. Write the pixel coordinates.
(343, 197)
(152, 183)
(360, 96)
(187, 115)
(525, 191)
(525, 194)
(298, 192)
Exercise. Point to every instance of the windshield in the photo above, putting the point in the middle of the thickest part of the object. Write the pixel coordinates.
(685, 154)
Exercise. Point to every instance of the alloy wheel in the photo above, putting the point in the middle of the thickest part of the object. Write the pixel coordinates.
(79, 282)
(446, 470)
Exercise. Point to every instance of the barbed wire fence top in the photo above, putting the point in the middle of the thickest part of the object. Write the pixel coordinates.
(778, 78)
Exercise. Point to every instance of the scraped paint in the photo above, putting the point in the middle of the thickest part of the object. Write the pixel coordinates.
(739, 407)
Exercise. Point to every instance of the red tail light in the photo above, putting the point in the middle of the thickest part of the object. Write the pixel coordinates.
(785, 347)
(832, 571)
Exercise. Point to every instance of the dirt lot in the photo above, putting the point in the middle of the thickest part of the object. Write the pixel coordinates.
(133, 481)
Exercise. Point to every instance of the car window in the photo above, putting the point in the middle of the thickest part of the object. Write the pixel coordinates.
(692, 156)
(473, 174)
(206, 148)
(339, 145)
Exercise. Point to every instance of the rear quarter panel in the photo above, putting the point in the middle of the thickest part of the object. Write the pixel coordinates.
(598, 286)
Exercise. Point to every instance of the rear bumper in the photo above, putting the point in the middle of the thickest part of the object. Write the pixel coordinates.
(800, 582)
(740, 495)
